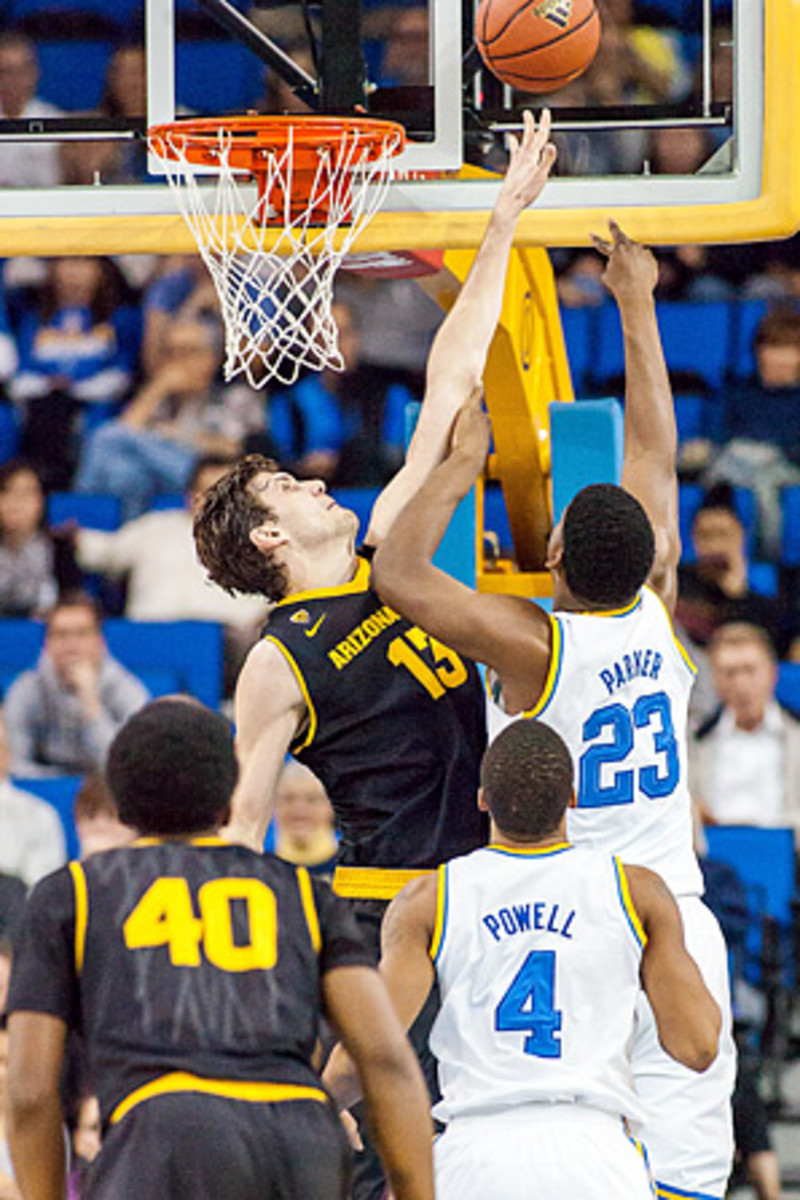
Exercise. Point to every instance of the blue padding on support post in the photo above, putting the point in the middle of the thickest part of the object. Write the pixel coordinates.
(586, 445)
(456, 553)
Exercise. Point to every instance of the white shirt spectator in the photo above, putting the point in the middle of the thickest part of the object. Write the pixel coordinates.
(32, 163)
(747, 780)
(31, 837)
(165, 580)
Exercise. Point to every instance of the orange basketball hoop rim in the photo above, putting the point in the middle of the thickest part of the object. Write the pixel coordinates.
(321, 155)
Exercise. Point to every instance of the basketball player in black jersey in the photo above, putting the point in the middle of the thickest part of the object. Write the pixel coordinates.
(391, 721)
(196, 971)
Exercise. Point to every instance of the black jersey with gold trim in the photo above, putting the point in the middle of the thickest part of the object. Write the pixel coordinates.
(395, 727)
(185, 961)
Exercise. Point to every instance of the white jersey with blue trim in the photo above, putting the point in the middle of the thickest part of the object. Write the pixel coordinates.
(537, 954)
(618, 694)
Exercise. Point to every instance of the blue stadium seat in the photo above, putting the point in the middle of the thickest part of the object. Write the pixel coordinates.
(790, 544)
(696, 340)
(763, 578)
(495, 517)
(168, 656)
(747, 316)
(765, 861)
(787, 689)
(73, 72)
(9, 432)
(112, 10)
(579, 326)
(188, 652)
(58, 791)
(93, 511)
(690, 497)
(217, 77)
(167, 501)
(690, 416)
(20, 643)
(360, 500)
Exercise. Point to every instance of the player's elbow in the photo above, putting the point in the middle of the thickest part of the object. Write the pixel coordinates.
(28, 1096)
(699, 1041)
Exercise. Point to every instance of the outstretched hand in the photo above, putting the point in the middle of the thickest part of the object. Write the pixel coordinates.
(631, 270)
(470, 439)
(531, 158)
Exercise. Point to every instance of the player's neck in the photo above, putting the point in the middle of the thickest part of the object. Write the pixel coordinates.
(556, 837)
(324, 567)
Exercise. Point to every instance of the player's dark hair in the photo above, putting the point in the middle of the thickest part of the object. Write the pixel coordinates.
(229, 512)
(172, 768)
(527, 779)
(609, 545)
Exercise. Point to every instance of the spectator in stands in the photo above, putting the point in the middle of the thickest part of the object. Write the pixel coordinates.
(62, 715)
(82, 1118)
(78, 350)
(31, 836)
(165, 581)
(35, 565)
(406, 57)
(715, 589)
(726, 896)
(305, 421)
(761, 425)
(96, 817)
(181, 291)
(304, 821)
(32, 163)
(177, 416)
(744, 764)
(125, 95)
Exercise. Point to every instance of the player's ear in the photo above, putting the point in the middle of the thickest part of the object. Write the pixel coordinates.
(482, 805)
(267, 538)
(573, 801)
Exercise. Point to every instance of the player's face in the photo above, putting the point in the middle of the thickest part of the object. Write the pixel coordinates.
(303, 511)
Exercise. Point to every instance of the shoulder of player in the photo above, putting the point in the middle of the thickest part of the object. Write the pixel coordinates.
(648, 891)
(268, 675)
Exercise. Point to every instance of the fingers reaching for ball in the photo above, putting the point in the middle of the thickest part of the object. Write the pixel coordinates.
(530, 161)
(631, 270)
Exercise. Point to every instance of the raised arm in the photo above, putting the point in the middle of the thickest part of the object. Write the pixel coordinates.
(458, 355)
(507, 633)
(651, 441)
(269, 711)
(687, 1016)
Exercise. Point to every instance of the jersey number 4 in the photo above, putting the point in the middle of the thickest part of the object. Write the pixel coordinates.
(165, 916)
(529, 1005)
(617, 783)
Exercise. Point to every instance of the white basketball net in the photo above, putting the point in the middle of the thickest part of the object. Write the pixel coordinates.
(275, 282)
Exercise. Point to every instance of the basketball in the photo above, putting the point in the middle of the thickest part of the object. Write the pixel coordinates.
(537, 45)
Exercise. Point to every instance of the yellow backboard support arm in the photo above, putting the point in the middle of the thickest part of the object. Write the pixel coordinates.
(526, 368)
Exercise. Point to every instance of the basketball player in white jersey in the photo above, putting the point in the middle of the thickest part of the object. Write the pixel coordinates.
(539, 949)
(606, 672)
